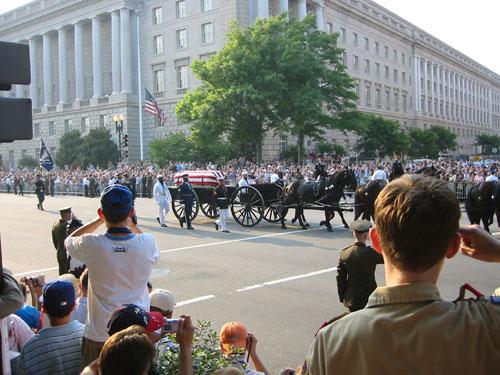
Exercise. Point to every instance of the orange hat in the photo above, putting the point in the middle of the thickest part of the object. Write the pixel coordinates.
(233, 335)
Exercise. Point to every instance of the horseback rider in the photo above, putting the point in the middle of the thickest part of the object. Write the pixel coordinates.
(320, 168)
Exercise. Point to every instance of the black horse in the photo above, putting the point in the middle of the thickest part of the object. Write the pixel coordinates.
(364, 199)
(327, 191)
(482, 202)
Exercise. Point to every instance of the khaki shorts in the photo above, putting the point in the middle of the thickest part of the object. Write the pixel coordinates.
(90, 350)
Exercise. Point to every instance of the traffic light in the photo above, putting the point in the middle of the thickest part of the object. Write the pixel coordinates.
(125, 154)
(125, 140)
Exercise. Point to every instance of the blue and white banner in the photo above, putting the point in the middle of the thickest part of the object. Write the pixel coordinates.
(46, 161)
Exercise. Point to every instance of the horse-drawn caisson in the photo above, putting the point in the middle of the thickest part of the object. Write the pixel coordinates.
(250, 205)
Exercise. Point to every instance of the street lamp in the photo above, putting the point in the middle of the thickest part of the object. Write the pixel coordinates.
(118, 119)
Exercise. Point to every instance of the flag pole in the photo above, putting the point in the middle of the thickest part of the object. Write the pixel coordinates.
(141, 135)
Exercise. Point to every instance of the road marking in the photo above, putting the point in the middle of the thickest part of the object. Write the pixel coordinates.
(257, 286)
(201, 245)
(194, 300)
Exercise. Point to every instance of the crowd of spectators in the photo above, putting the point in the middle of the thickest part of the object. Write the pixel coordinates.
(141, 177)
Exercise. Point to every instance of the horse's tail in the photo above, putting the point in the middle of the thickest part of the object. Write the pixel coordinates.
(470, 206)
(359, 202)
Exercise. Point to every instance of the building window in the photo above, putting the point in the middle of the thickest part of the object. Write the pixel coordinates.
(51, 128)
(367, 44)
(368, 96)
(180, 8)
(367, 66)
(344, 58)
(378, 99)
(158, 44)
(377, 48)
(395, 75)
(159, 79)
(377, 70)
(182, 77)
(329, 27)
(207, 5)
(386, 52)
(67, 125)
(283, 143)
(343, 34)
(356, 63)
(388, 99)
(395, 56)
(207, 33)
(36, 130)
(181, 38)
(355, 39)
(84, 125)
(387, 72)
(356, 88)
(403, 59)
(404, 104)
(157, 16)
(396, 102)
(403, 78)
(103, 120)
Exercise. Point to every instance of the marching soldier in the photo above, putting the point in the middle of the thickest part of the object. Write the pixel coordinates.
(397, 167)
(59, 234)
(40, 191)
(221, 197)
(186, 194)
(356, 269)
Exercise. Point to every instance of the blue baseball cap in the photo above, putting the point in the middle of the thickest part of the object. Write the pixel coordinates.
(57, 296)
(116, 199)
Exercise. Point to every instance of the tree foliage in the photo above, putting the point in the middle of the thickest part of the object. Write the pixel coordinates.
(97, 148)
(488, 143)
(331, 147)
(446, 140)
(69, 148)
(279, 75)
(27, 161)
(380, 137)
(174, 147)
(429, 143)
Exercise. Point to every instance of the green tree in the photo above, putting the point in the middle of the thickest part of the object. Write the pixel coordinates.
(331, 147)
(423, 143)
(279, 75)
(488, 143)
(175, 146)
(380, 137)
(446, 140)
(97, 148)
(69, 146)
(27, 161)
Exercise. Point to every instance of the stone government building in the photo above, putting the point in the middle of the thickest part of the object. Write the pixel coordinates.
(85, 66)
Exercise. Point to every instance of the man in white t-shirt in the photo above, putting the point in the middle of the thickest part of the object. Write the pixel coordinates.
(119, 263)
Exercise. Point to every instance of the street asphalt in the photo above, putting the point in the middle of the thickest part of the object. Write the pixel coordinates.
(279, 283)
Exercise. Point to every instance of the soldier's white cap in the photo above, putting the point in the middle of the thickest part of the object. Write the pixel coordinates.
(360, 225)
(244, 172)
(159, 176)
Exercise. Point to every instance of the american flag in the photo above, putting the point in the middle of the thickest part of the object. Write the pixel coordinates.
(152, 107)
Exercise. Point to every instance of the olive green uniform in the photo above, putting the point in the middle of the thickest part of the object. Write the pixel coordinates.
(409, 329)
(356, 275)
(59, 234)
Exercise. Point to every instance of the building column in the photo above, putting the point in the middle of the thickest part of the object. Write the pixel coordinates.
(283, 6)
(96, 56)
(125, 50)
(79, 89)
(426, 89)
(302, 9)
(47, 70)
(34, 72)
(115, 52)
(263, 9)
(416, 83)
(319, 17)
(63, 66)
(438, 92)
(19, 91)
(433, 96)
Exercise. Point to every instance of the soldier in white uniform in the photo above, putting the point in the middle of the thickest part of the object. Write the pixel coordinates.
(163, 199)
(379, 174)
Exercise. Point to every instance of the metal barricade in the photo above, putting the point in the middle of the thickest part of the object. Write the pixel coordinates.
(460, 189)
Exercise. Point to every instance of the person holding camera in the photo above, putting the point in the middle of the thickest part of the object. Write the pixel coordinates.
(406, 327)
(235, 342)
(119, 263)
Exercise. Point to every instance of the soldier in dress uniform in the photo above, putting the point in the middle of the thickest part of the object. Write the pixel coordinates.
(40, 191)
(130, 183)
(59, 234)
(320, 168)
(397, 167)
(222, 200)
(356, 268)
(186, 194)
